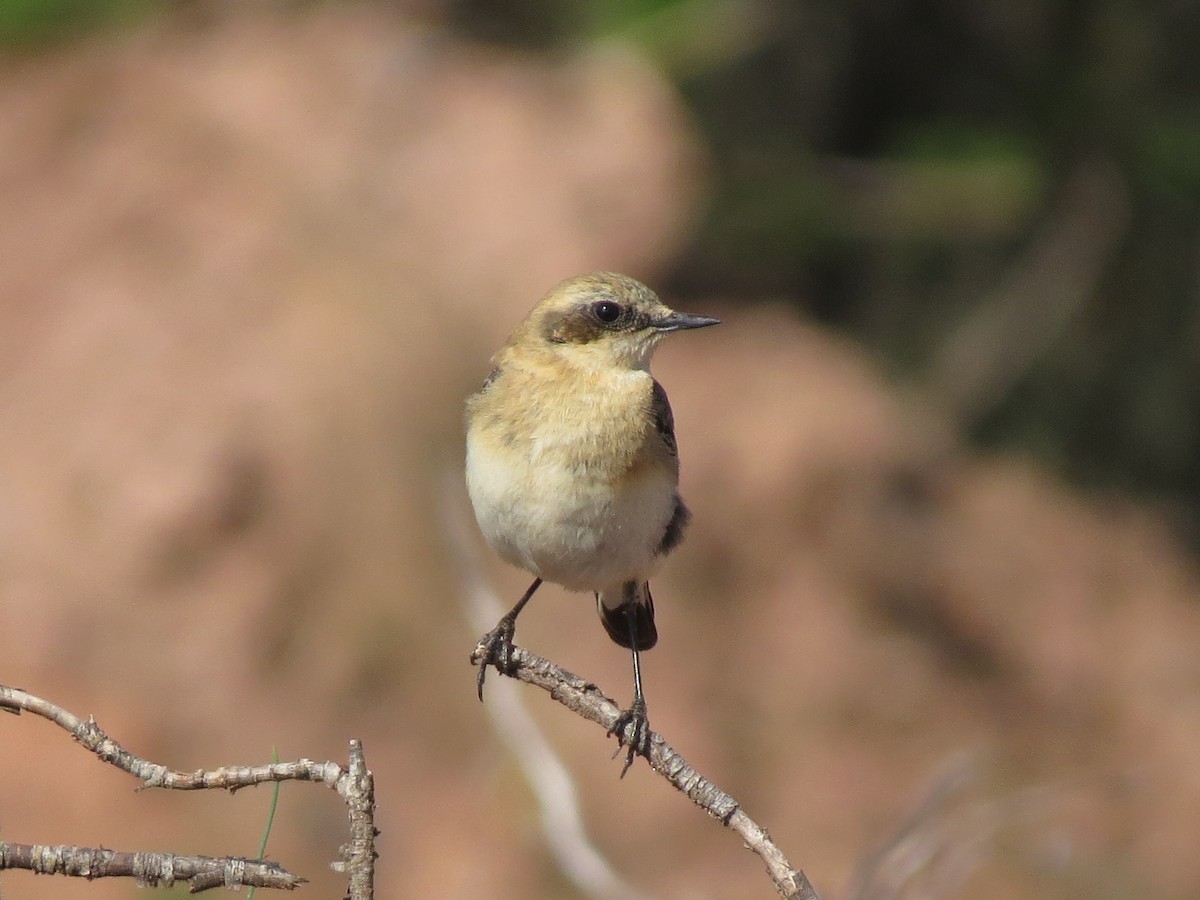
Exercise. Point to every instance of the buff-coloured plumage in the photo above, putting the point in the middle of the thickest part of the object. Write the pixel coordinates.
(572, 467)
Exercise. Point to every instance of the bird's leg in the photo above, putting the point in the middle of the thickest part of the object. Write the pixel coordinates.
(495, 647)
(634, 720)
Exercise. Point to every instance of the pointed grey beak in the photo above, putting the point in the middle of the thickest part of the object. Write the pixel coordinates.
(678, 321)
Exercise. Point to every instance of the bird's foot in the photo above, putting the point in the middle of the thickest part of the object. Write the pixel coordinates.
(495, 649)
(632, 728)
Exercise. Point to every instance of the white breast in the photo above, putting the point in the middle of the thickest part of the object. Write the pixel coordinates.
(566, 523)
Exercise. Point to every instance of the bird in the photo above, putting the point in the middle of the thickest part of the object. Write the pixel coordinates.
(572, 466)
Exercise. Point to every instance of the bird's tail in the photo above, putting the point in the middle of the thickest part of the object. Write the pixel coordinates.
(628, 615)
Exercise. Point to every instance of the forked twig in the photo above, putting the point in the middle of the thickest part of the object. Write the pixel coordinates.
(354, 784)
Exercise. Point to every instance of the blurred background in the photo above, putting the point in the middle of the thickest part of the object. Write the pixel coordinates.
(936, 622)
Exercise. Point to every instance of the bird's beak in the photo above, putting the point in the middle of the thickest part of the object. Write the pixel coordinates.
(677, 321)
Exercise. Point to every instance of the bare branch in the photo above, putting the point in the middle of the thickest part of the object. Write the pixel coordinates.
(230, 778)
(354, 785)
(358, 856)
(150, 869)
(585, 699)
(588, 701)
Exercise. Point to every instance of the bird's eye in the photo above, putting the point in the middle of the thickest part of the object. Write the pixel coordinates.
(607, 311)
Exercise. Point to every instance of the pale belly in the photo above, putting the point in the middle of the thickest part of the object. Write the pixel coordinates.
(570, 527)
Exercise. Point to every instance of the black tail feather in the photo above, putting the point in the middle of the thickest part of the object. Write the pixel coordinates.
(631, 618)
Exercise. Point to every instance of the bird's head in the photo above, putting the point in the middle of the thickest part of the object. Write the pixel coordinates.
(603, 320)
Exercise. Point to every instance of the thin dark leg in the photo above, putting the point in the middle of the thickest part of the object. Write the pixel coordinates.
(497, 644)
(635, 716)
(638, 697)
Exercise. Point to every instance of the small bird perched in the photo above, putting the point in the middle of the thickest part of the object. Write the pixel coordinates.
(572, 467)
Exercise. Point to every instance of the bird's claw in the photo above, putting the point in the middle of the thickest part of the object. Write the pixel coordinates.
(632, 728)
(495, 649)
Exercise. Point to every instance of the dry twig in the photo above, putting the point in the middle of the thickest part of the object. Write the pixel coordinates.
(355, 785)
(150, 869)
(587, 700)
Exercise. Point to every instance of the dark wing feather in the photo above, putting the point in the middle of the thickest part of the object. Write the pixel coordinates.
(675, 528)
(664, 424)
(664, 419)
(487, 382)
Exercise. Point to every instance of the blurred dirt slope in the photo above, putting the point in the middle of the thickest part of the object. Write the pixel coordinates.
(248, 273)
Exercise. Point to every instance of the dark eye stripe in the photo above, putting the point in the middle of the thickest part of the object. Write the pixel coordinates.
(583, 323)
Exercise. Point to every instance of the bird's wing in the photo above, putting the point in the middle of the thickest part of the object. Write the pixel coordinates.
(664, 424)
(664, 419)
(492, 376)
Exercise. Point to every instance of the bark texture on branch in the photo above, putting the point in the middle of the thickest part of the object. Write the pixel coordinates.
(354, 784)
(201, 873)
(585, 699)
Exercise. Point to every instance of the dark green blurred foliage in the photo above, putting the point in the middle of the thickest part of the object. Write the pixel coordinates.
(1002, 198)
(529, 24)
(31, 23)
